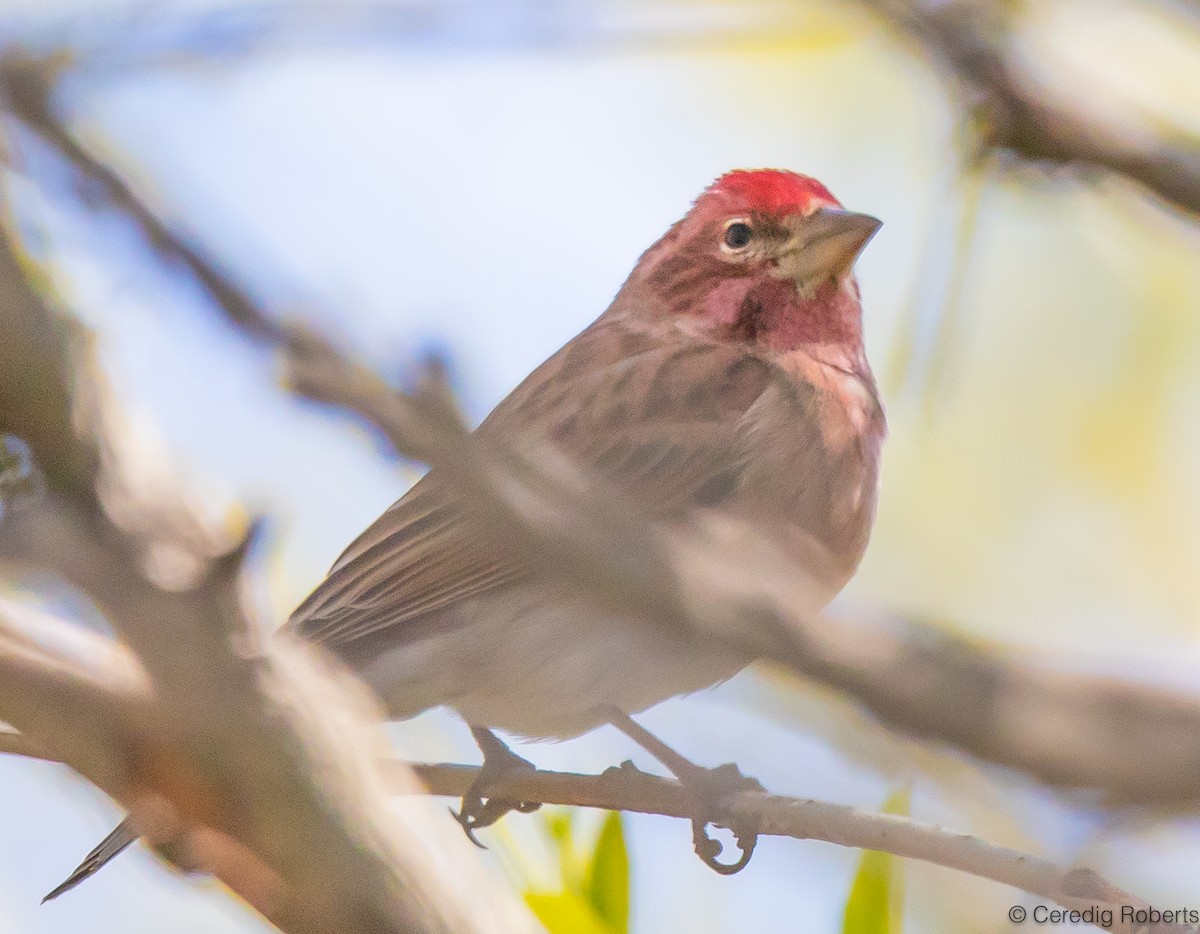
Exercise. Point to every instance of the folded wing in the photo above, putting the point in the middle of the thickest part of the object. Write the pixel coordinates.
(661, 417)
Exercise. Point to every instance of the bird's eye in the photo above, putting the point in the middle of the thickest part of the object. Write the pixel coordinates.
(737, 235)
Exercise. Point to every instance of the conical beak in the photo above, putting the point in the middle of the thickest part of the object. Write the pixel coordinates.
(826, 244)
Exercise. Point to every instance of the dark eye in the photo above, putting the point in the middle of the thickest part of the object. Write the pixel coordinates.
(737, 235)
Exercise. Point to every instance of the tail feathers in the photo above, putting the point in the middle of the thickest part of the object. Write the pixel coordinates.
(109, 847)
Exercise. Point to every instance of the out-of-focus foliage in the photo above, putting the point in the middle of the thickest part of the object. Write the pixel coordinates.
(606, 885)
(594, 893)
(876, 902)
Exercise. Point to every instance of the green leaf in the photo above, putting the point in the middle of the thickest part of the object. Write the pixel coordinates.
(594, 893)
(565, 913)
(876, 902)
(560, 829)
(606, 882)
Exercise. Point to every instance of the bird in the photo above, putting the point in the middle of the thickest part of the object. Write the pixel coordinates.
(727, 378)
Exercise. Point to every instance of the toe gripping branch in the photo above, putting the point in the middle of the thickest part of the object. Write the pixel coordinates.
(477, 809)
(477, 812)
(708, 849)
(716, 785)
(710, 788)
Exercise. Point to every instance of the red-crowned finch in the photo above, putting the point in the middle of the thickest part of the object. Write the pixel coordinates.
(728, 374)
(727, 380)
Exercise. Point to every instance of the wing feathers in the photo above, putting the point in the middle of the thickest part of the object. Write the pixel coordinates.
(660, 416)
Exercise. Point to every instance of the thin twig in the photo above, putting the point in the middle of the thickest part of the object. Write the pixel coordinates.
(631, 790)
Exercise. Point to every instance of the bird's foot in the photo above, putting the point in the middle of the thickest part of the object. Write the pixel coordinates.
(478, 809)
(711, 789)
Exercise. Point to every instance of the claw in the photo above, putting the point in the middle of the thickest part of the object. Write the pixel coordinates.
(708, 848)
(463, 818)
(479, 813)
(477, 810)
(712, 786)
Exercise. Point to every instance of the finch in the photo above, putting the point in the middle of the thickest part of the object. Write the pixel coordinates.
(727, 375)
(727, 378)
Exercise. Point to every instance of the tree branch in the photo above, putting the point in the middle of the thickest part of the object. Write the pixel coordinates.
(1016, 111)
(250, 758)
(18, 744)
(267, 776)
(629, 789)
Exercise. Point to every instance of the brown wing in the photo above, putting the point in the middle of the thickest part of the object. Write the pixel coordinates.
(665, 423)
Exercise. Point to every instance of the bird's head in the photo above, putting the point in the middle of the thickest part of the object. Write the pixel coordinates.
(763, 256)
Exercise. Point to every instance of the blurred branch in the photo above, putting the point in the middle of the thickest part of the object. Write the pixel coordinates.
(17, 744)
(1017, 112)
(250, 759)
(270, 781)
(45, 695)
(1014, 109)
(723, 583)
(27, 87)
